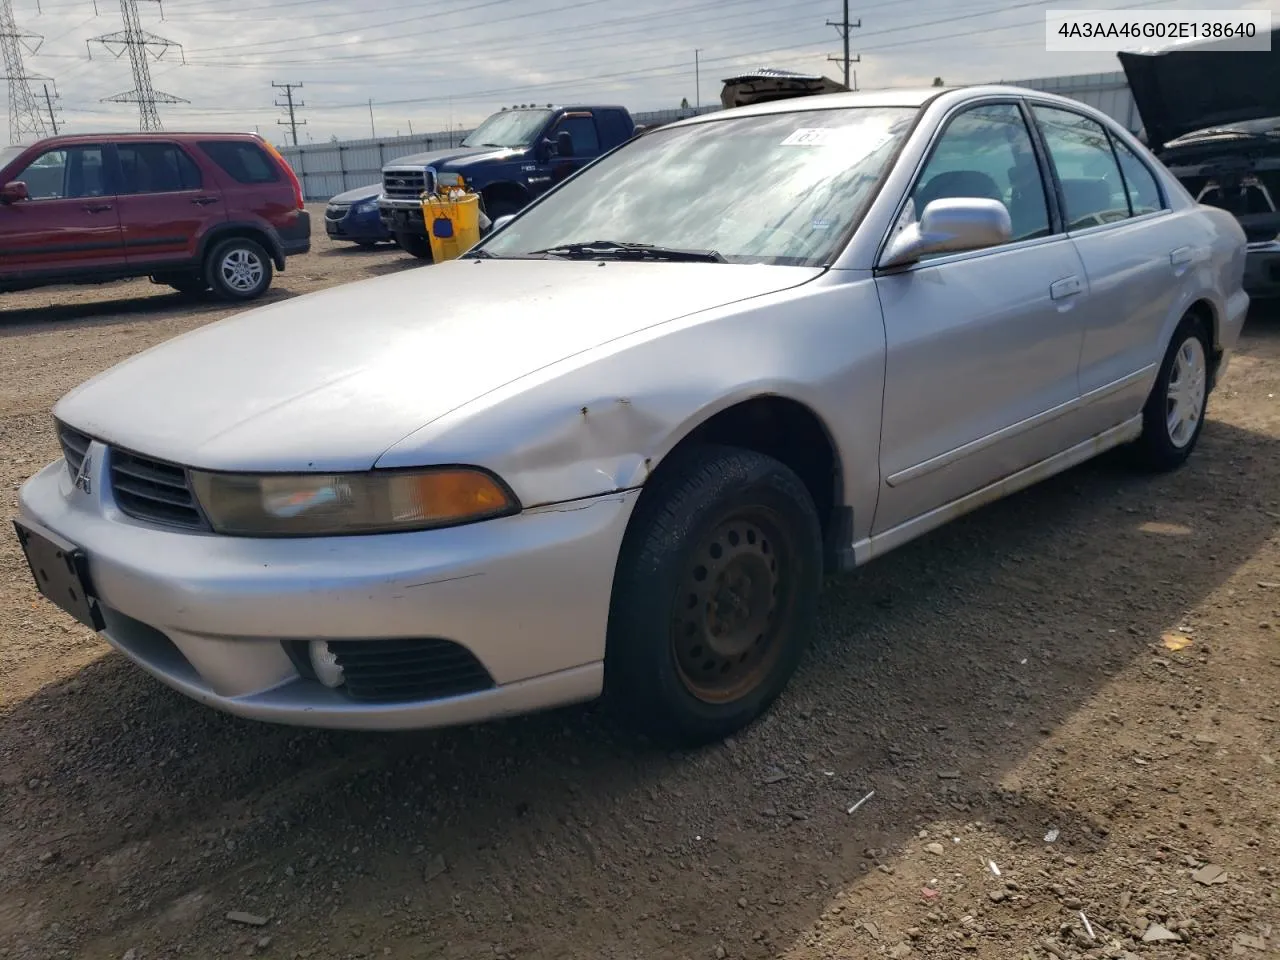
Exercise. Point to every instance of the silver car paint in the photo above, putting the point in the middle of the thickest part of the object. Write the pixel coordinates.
(573, 381)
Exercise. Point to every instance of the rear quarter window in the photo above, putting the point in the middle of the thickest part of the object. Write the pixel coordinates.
(244, 162)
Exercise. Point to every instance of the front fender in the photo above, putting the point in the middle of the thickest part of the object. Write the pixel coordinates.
(602, 421)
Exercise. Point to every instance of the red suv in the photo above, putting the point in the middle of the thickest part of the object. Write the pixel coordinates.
(195, 211)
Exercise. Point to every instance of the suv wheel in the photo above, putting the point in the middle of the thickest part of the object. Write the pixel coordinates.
(715, 595)
(238, 269)
(415, 245)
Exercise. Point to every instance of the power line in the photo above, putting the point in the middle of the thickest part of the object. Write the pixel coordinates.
(843, 27)
(292, 122)
(140, 45)
(25, 118)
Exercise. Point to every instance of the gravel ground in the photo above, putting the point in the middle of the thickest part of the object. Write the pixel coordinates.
(1093, 660)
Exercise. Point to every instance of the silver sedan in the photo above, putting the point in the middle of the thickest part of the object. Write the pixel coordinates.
(616, 446)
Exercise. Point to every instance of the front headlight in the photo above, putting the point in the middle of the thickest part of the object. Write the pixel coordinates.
(367, 206)
(450, 180)
(319, 505)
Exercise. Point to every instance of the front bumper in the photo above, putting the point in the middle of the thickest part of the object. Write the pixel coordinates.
(346, 223)
(402, 217)
(1262, 269)
(527, 596)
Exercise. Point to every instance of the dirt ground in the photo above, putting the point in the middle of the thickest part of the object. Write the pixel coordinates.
(1004, 681)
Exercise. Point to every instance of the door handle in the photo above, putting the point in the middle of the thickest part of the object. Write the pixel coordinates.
(204, 201)
(1181, 255)
(97, 207)
(1066, 287)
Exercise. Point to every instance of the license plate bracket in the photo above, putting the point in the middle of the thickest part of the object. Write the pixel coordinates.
(61, 573)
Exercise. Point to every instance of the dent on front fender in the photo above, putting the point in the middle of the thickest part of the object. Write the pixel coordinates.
(600, 447)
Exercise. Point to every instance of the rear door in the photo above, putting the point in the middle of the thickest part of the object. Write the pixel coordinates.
(254, 188)
(1135, 252)
(165, 203)
(69, 223)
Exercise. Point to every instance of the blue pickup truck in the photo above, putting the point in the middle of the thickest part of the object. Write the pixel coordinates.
(513, 157)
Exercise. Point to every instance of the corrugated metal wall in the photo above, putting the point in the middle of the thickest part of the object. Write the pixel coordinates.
(327, 169)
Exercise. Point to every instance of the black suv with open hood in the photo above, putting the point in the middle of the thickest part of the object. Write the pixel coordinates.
(1212, 116)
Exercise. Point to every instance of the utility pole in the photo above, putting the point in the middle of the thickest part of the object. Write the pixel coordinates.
(697, 79)
(373, 133)
(292, 122)
(843, 27)
(48, 102)
(142, 46)
(26, 122)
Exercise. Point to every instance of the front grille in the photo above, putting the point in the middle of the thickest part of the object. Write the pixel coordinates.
(74, 447)
(153, 490)
(405, 184)
(335, 213)
(398, 670)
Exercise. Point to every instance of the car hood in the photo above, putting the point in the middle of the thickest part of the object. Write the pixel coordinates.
(1180, 91)
(436, 158)
(331, 380)
(358, 194)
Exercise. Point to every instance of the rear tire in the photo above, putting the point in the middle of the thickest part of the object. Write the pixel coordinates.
(238, 269)
(1174, 414)
(415, 245)
(715, 595)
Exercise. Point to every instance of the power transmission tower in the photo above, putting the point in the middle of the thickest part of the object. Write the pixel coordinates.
(293, 122)
(26, 122)
(843, 27)
(141, 45)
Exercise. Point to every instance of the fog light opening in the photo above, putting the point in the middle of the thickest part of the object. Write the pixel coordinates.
(325, 664)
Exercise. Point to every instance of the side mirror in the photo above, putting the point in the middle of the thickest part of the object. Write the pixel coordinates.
(13, 192)
(564, 143)
(542, 151)
(953, 225)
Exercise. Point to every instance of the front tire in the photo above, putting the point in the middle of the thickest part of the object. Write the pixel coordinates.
(715, 595)
(415, 245)
(1174, 414)
(238, 269)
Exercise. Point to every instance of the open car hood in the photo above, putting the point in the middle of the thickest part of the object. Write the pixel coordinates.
(1182, 90)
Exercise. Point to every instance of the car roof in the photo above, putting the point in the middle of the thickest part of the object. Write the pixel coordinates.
(70, 138)
(912, 97)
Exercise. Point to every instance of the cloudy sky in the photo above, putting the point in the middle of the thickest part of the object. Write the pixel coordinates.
(428, 65)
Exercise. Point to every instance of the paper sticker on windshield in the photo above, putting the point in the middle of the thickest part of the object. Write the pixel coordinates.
(857, 138)
(814, 137)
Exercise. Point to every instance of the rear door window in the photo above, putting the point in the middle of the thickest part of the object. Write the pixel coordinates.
(1144, 192)
(243, 161)
(156, 168)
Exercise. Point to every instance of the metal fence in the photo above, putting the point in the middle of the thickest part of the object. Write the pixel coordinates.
(327, 169)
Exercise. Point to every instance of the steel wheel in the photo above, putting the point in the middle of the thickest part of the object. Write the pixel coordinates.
(241, 270)
(1185, 397)
(724, 630)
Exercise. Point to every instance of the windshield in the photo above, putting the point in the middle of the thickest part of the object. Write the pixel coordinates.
(779, 188)
(7, 154)
(515, 128)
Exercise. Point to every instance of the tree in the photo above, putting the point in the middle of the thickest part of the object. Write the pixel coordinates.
(937, 82)
(684, 104)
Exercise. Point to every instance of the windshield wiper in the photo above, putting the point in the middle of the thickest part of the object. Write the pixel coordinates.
(618, 250)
